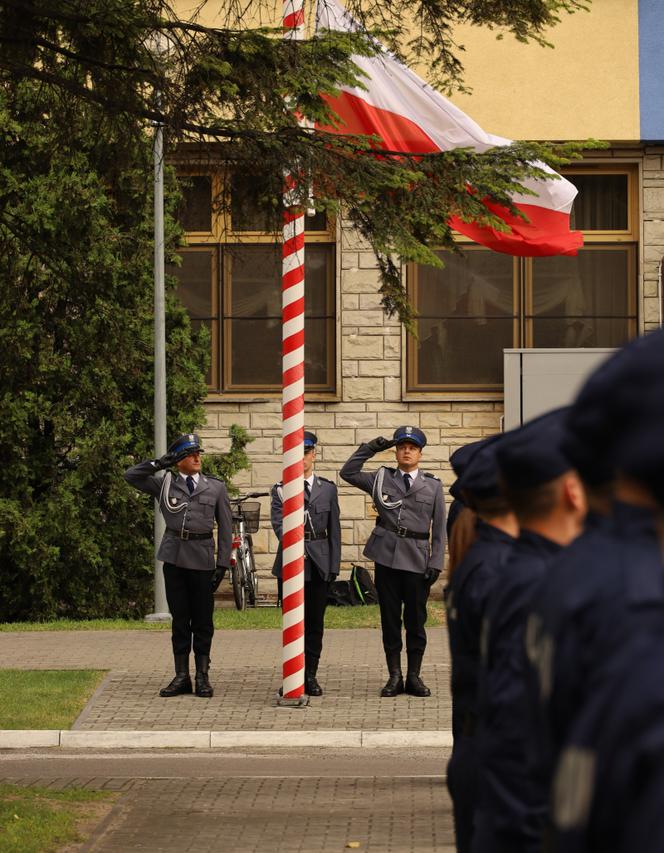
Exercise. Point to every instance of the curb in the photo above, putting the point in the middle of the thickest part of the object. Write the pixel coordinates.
(334, 739)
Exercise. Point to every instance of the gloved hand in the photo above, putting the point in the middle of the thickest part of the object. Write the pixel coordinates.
(217, 577)
(166, 461)
(380, 443)
(431, 575)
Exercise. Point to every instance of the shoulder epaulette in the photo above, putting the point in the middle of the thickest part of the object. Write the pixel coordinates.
(325, 480)
(430, 476)
(213, 477)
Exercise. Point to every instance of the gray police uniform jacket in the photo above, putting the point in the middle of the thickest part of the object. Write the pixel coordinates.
(208, 502)
(323, 508)
(422, 510)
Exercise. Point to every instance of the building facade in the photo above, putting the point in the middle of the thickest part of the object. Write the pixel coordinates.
(365, 375)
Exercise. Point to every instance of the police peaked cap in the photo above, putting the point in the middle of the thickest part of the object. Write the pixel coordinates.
(310, 440)
(185, 445)
(410, 433)
(638, 409)
(617, 402)
(460, 460)
(532, 454)
(481, 476)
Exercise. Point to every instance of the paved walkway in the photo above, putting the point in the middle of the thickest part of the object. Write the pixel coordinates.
(245, 672)
(255, 803)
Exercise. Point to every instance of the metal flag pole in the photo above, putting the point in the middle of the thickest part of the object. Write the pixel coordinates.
(293, 421)
(161, 613)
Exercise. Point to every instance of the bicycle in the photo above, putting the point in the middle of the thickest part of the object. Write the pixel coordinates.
(246, 520)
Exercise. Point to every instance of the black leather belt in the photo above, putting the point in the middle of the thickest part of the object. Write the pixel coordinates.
(403, 532)
(314, 537)
(186, 535)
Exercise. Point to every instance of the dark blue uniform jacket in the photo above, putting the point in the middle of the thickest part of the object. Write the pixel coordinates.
(608, 792)
(466, 600)
(511, 807)
(603, 590)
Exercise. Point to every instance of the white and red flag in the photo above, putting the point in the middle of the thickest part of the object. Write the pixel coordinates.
(409, 116)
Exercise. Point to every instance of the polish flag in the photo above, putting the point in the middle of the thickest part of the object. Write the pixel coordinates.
(410, 116)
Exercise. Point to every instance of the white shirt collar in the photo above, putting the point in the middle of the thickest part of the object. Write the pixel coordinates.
(195, 477)
(412, 474)
(311, 479)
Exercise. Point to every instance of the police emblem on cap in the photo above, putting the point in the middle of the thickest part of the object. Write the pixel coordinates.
(409, 430)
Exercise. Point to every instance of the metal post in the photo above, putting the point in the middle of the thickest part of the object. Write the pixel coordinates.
(161, 613)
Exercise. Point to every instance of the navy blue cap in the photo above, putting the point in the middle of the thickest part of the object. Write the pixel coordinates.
(532, 454)
(617, 401)
(185, 445)
(481, 476)
(310, 440)
(409, 433)
(462, 455)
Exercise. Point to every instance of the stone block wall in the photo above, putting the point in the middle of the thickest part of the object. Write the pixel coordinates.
(653, 235)
(370, 404)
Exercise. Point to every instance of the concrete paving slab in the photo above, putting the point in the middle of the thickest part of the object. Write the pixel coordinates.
(245, 672)
(134, 740)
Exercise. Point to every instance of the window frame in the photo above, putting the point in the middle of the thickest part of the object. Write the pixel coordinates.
(523, 278)
(221, 234)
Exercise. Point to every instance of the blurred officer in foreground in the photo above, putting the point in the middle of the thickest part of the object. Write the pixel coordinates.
(470, 582)
(609, 784)
(548, 500)
(605, 589)
(190, 502)
(407, 545)
(322, 555)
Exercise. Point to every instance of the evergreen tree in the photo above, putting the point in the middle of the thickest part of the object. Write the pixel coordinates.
(80, 83)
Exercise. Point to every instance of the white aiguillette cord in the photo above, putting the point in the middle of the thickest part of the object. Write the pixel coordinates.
(165, 489)
(377, 492)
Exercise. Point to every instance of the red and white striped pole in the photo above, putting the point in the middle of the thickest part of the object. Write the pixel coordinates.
(293, 419)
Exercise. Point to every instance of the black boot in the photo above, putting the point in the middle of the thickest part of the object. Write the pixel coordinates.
(311, 685)
(414, 684)
(203, 686)
(182, 682)
(394, 684)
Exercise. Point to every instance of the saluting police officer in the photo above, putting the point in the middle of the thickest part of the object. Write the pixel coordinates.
(322, 555)
(407, 545)
(190, 502)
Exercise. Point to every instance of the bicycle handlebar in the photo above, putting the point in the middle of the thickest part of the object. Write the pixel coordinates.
(240, 498)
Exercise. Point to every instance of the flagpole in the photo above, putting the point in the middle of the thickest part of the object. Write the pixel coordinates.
(293, 420)
(161, 613)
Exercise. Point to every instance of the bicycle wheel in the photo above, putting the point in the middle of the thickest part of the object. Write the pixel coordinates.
(252, 577)
(237, 579)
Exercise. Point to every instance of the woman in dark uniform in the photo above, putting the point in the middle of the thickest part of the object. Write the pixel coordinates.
(480, 542)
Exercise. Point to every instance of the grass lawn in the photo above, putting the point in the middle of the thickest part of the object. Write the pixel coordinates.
(44, 699)
(38, 820)
(229, 618)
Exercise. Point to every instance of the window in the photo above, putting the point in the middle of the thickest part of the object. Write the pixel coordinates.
(230, 281)
(483, 302)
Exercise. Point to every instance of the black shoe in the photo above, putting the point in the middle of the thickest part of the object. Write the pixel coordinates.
(415, 686)
(311, 685)
(393, 685)
(203, 686)
(180, 685)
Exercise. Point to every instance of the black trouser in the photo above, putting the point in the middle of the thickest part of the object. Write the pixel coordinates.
(462, 782)
(397, 588)
(191, 602)
(315, 602)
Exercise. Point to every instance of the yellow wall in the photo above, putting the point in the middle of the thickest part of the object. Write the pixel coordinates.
(586, 86)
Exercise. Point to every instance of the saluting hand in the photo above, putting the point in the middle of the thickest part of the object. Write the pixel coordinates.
(380, 443)
(165, 461)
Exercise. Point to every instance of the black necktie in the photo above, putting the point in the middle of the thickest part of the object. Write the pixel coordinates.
(307, 492)
(190, 484)
(406, 481)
